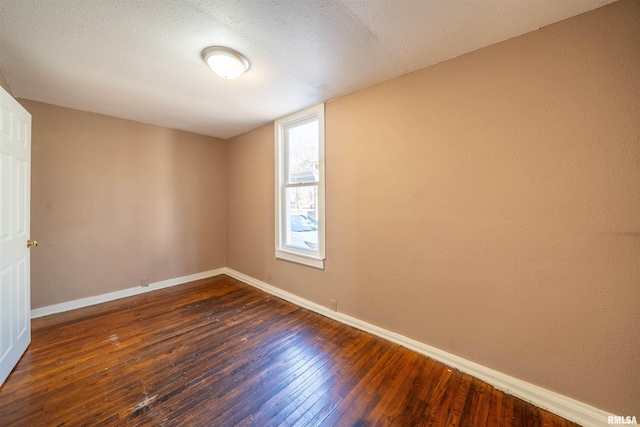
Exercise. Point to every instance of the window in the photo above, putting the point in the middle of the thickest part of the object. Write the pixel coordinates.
(300, 187)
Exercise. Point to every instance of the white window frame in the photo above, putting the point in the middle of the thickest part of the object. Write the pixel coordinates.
(289, 253)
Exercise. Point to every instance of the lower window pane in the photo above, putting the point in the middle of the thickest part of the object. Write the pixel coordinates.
(301, 218)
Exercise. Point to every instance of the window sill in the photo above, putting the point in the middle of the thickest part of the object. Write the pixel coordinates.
(300, 259)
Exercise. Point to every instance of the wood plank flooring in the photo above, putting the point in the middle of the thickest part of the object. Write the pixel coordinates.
(217, 352)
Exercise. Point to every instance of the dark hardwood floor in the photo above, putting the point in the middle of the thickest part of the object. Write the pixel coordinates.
(217, 352)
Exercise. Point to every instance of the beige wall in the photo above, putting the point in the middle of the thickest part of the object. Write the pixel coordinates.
(488, 206)
(3, 82)
(114, 200)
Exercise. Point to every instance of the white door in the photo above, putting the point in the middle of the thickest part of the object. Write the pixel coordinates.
(15, 185)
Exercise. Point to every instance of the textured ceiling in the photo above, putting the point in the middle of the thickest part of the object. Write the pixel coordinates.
(140, 59)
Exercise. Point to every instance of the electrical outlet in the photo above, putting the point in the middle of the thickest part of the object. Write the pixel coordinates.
(333, 305)
(268, 274)
(144, 282)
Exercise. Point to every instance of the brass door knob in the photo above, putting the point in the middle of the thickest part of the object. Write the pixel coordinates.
(32, 243)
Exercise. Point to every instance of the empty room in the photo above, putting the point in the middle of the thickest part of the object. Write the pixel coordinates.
(320, 213)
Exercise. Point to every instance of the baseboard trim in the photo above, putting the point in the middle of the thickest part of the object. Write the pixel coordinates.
(86, 302)
(564, 406)
(556, 403)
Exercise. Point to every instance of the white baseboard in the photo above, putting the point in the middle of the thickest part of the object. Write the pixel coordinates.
(558, 404)
(564, 406)
(85, 302)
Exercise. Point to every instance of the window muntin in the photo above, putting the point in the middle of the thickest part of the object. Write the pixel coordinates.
(300, 187)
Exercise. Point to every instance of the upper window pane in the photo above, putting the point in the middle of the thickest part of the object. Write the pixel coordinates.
(302, 152)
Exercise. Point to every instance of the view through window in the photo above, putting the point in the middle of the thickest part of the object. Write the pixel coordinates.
(302, 185)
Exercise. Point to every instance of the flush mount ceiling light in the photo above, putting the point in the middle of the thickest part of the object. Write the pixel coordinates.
(225, 62)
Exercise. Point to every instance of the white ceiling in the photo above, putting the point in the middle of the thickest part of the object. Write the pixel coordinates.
(140, 59)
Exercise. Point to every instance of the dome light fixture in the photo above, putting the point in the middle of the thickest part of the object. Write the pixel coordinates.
(225, 62)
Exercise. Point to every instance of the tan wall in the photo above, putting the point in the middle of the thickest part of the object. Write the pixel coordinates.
(114, 200)
(488, 206)
(3, 82)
